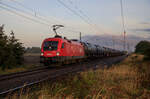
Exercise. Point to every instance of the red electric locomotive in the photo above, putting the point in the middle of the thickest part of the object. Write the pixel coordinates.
(59, 49)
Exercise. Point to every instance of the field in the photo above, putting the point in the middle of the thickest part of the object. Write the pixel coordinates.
(129, 79)
(31, 60)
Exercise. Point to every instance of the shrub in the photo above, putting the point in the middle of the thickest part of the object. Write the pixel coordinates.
(147, 54)
(143, 47)
(11, 50)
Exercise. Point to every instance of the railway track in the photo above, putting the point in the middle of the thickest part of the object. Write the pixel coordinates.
(15, 81)
(58, 73)
(18, 74)
(54, 73)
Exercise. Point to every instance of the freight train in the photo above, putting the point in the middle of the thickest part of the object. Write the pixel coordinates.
(63, 50)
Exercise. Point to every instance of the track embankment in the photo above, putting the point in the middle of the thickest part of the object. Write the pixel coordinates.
(12, 82)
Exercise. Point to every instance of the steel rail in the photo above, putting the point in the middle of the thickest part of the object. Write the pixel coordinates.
(23, 73)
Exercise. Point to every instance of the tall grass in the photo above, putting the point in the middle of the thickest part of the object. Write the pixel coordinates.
(12, 70)
(129, 79)
(20, 68)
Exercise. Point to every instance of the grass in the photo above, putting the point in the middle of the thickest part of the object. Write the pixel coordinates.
(8, 71)
(17, 69)
(129, 79)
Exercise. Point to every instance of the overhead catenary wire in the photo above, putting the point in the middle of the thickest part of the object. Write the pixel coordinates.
(74, 12)
(27, 13)
(46, 22)
(68, 28)
(37, 14)
(10, 9)
(26, 7)
(80, 14)
(24, 16)
(80, 11)
(85, 15)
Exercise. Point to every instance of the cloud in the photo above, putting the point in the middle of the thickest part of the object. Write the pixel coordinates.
(144, 30)
(145, 23)
(114, 41)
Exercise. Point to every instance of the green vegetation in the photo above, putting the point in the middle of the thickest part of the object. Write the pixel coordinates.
(129, 79)
(11, 50)
(143, 47)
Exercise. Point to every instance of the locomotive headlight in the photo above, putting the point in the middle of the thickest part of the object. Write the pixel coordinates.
(57, 54)
(42, 54)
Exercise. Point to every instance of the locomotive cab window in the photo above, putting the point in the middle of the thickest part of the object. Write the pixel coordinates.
(62, 45)
(50, 45)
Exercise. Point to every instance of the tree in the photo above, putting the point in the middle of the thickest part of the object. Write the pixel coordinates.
(3, 45)
(143, 47)
(147, 54)
(16, 48)
(11, 50)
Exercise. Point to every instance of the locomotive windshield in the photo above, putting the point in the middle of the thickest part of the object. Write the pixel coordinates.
(50, 45)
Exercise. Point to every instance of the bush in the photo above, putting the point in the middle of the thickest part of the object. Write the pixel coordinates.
(147, 54)
(11, 50)
(143, 47)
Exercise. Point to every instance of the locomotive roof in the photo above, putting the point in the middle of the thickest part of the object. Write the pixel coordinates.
(63, 39)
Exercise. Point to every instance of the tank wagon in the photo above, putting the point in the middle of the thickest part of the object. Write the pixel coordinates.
(62, 50)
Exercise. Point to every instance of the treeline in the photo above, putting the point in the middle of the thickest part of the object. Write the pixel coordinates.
(33, 50)
(143, 47)
(11, 50)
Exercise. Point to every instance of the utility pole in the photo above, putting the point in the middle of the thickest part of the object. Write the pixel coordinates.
(128, 47)
(123, 24)
(113, 42)
(80, 36)
(124, 36)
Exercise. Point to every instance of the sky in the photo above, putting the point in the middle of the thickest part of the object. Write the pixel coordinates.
(91, 17)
